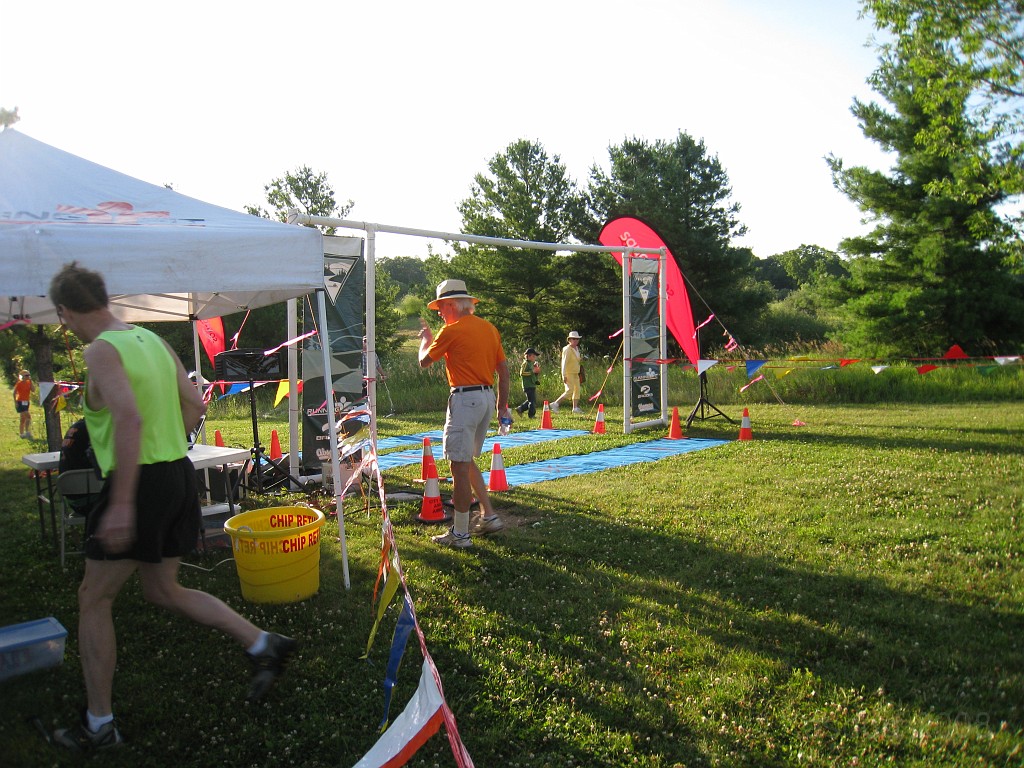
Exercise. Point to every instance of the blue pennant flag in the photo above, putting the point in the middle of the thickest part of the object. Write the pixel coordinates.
(402, 629)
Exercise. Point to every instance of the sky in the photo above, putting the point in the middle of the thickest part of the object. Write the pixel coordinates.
(401, 103)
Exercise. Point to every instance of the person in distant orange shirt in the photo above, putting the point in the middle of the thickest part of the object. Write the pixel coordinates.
(22, 400)
(472, 352)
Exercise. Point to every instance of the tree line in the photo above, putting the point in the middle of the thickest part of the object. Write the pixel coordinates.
(943, 264)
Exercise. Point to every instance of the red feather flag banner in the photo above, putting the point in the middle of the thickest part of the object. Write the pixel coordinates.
(627, 231)
(211, 334)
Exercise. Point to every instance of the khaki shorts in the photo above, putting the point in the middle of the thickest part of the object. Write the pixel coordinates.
(467, 422)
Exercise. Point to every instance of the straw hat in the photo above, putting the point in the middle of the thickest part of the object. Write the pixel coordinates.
(574, 335)
(451, 289)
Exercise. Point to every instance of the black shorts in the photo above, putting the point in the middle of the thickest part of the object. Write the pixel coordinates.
(167, 514)
(21, 406)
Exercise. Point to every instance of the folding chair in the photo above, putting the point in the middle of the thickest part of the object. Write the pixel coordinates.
(79, 490)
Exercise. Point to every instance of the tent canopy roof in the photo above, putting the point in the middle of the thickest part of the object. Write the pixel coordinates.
(164, 256)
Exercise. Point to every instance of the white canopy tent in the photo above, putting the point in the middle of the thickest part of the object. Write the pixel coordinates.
(164, 256)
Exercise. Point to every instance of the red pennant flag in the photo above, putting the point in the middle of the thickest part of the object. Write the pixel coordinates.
(844, 363)
(211, 334)
(923, 369)
(955, 353)
(752, 383)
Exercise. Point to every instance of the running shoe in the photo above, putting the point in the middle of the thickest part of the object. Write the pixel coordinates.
(453, 539)
(486, 525)
(269, 665)
(80, 739)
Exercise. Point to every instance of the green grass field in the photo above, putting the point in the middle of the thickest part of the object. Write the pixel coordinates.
(849, 592)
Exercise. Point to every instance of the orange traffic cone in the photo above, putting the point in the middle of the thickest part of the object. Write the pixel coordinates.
(675, 432)
(431, 510)
(217, 439)
(545, 418)
(275, 446)
(745, 432)
(599, 422)
(497, 480)
(427, 464)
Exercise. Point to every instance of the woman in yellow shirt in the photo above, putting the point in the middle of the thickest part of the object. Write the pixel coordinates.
(571, 357)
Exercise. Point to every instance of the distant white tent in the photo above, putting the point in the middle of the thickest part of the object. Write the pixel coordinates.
(164, 256)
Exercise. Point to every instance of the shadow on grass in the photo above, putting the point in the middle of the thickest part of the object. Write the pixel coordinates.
(961, 440)
(597, 580)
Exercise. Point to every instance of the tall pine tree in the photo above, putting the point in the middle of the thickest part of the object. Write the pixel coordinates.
(933, 271)
(525, 195)
(683, 192)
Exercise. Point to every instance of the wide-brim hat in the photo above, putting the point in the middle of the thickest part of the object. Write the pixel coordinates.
(24, 373)
(451, 289)
(574, 335)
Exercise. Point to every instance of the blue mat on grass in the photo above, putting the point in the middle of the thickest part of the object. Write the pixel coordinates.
(400, 440)
(414, 455)
(567, 466)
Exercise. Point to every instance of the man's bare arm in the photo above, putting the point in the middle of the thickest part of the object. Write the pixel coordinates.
(110, 388)
(192, 405)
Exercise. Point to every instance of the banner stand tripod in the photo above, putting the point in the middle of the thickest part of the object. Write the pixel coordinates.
(704, 405)
(257, 455)
(246, 365)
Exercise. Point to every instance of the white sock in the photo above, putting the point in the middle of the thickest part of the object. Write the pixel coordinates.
(95, 723)
(260, 645)
(461, 526)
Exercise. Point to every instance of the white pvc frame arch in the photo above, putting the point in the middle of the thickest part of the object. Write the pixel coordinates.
(371, 229)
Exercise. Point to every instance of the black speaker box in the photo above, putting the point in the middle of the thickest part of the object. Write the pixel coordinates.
(216, 489)
(250, 364)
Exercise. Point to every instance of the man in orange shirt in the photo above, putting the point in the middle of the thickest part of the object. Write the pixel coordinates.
(22, 402)
(471, 348)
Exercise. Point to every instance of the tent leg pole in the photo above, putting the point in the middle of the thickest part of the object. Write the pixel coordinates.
(332, 432)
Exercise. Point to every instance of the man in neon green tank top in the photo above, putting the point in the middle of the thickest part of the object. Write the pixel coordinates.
(139, 404)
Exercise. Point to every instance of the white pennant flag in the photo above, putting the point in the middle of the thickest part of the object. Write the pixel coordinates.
(44, 390)
(421, 719)
(703, 365)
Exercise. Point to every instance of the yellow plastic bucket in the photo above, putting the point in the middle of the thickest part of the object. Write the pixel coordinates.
(277, 553)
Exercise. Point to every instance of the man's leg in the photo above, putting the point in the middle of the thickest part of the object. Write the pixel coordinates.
(97, 642)
(160, 586)
(476, 479)
(268, 652)
(463, 487)
(458, 535)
